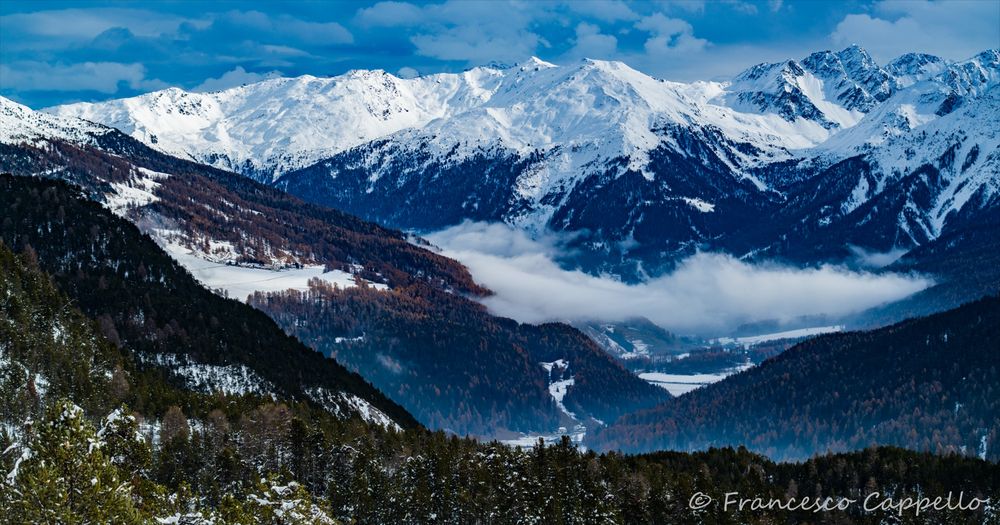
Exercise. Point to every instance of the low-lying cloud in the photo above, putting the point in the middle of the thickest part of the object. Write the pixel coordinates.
(708, 292)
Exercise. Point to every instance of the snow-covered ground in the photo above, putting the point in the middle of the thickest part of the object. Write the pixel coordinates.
(575, 434)
(235, 379)
(139, 191)
(558, 389)
(241, 281)
(333, 401)
(788, 334)
(678, 384)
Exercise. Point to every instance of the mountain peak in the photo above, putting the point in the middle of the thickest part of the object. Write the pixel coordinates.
(912, 67)
(856, 59)
(988, 58)
(913, 59)
(8, 103)
(770, 70)
(855, 51)
(535, 62)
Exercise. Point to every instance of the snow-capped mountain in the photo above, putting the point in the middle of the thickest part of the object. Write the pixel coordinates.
(19, 123)
(270, 127)
(833, 89)
(274, 126)
(910, 176)
(647, 169)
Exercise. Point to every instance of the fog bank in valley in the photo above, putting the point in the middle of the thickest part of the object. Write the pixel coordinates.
(707, 292)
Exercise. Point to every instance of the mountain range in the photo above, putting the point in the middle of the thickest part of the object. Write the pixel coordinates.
(807, 161)
(799, 160)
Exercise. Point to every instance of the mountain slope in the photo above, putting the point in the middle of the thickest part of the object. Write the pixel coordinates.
(241, 236)
(48, 348)
(907, 192)
(929, 383)
(965, 261)
(148, 302)
(479, 363)
(196, 470)
(215, 214)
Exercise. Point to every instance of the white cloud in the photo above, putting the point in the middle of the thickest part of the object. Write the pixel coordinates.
(291, 28)
(103, 77)
(669, 36)
(591, 43)
(707, 292)
(390, 14)
(88, 23)
(742, 7)
(471, 44)
(691, 6)
(473, 32)
(477, 32)
(954, 30)
(233, 78)
(870, 259)
(604, 10)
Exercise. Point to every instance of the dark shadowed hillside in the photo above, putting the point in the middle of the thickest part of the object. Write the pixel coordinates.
(399, 339)
(144, 300)
(929, 383)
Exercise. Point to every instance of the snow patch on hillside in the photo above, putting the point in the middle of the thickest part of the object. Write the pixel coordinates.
(800, 333)
(137, 192)
(559, 388)
(240, 281)
(700, 205)
(235, 379)
(337, 402)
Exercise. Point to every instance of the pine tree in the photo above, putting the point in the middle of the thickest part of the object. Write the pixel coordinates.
(276, 503)
(63, 475)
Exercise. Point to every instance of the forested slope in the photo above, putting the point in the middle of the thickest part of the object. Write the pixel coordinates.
(218, 460)
(930, 383)
(398, 338)
(145, 301)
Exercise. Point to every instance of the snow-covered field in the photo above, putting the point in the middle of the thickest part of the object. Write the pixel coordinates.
(575, 434)
(241, 281)
(788, 334)
(678, 384)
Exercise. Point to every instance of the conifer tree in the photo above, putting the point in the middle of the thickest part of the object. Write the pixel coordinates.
(275, 503)
(62, 475)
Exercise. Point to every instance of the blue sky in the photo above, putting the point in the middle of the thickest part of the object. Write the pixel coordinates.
(55, 52)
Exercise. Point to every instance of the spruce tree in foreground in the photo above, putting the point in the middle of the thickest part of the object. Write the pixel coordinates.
(61, 474)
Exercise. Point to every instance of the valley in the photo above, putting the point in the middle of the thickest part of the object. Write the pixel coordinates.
(329, 286)
(735, 137)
